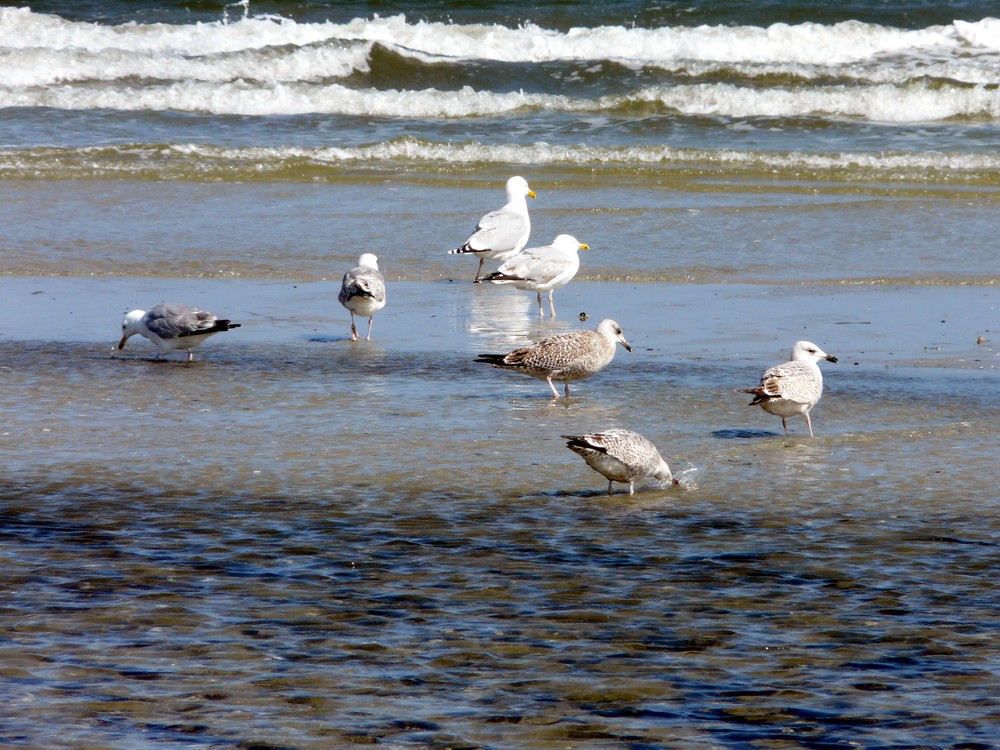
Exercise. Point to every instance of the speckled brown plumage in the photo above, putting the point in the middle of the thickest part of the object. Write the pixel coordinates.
(621, 456)
(794, 387)
(566, 357)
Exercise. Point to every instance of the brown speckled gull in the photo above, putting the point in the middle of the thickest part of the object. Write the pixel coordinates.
(566, 357)
(794, 387)
(621, 456)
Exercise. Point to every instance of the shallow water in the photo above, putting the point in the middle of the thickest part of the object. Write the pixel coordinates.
(300, 542)
(682, 230)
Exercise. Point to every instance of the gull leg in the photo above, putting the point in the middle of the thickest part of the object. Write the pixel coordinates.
(809, 424)
(540, 313)
(784, 424)
(370, 321)
(611, 489)
(567, 388)
(479, 272)
(552, 305)
(555, 393)
(354, 331)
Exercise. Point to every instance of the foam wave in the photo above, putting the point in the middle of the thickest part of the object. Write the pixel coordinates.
(919, 102)
(312, 63)
(194, 161)
(827, 46)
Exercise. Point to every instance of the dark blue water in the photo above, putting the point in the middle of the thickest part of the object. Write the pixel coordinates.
(553, 14)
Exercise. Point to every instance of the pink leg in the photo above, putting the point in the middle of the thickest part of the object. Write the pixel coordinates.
(555, 393)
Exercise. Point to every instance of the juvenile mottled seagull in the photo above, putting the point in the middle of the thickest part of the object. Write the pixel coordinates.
(568, 356)
(503, 232)
(542, 269)
(621, 456)
(171, 326)
(363, 292)
(794, 387)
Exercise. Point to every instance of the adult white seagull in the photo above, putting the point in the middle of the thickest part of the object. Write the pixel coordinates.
(362, 292)
(542, 269)
(171, 326)
(501, 233)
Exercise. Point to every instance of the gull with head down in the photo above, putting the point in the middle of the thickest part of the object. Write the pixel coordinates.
(621, 456)
(171, 326)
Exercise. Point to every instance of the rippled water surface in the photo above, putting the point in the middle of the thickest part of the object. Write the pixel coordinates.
(300, 542)
(297, 542)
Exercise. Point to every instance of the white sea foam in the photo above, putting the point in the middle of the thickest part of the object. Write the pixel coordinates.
(46, 67)
(197, 161)
(246, 98)
(268, 65)
(841, 44)
(410, 149)
(917, 102)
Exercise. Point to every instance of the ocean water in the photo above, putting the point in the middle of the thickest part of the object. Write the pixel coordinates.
(300, 542)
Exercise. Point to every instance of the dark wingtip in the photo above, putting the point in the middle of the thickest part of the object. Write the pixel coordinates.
(497, 276)
(490, 359)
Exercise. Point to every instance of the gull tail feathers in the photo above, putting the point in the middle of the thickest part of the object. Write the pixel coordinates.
(496, 360)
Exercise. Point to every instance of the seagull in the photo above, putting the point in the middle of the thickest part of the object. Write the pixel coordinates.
(503, 232)
(794, 387)
(171, 326)
(363, 292)
(542, 269)
(621, 456)
(568, 356)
